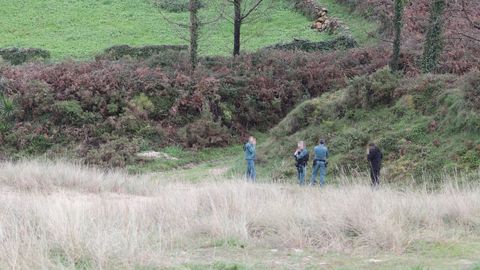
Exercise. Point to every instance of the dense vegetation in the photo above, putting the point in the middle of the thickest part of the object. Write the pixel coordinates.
(128, 100)
(106, 111)
(426, 126)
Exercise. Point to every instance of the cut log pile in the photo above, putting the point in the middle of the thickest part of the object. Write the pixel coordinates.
(323, 22)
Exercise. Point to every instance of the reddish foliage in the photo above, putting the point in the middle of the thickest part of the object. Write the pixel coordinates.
(462, 39)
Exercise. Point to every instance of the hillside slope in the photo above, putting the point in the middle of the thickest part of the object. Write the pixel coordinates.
(427, 126)
(81, 29)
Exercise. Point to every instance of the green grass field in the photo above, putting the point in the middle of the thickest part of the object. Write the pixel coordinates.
(81, 29)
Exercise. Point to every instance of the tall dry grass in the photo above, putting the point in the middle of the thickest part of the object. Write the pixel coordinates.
(58, 215)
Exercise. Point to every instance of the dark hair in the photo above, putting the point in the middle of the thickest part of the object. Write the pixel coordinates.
(322, 141)
(371, 144)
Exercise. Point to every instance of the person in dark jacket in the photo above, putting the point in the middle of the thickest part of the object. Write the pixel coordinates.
(301, 159)
(374, 156)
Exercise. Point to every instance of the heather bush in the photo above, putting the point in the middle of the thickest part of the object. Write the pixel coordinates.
(472, 89)
(17, 56)
(372, 90)
(340, 43)
(120, 51)
(70, 112)
(173, 5)
(114, 152)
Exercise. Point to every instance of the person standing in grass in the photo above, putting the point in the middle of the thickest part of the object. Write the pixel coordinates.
(374, 156)
(250, 157)
(320, 163)
(301, 160)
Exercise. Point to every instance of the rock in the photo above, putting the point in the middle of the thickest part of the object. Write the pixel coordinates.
(150, 155)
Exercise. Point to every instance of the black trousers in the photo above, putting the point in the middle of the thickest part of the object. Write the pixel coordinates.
(375, 175)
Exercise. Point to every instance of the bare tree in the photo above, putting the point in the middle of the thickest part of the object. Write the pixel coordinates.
(194, 27)
(242, 9)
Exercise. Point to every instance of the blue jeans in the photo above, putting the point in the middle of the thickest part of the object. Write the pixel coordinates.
(251, 173)
(319, 167)
(301, 172)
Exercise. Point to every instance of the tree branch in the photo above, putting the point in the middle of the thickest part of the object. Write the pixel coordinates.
(464, 9)
(254, 7)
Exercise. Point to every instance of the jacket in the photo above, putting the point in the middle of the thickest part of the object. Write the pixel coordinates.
(250, 152)
(375, 156)
(321, 152)
(301, 158)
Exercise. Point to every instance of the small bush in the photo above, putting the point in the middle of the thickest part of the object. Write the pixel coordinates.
(339, 43)
(17, 56)
(120, 51)
(173, 5)
(204, 133)
(71, 112)
(372, 90)
(116, 152)
(472, 89)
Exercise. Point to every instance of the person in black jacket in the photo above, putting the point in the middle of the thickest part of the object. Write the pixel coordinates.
(374, 157)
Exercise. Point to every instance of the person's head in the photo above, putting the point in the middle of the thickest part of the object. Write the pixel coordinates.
(252, 140)
(372, 145)
(301, 145)
(321, 141)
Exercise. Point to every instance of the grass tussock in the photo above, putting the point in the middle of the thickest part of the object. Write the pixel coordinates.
(92, 219)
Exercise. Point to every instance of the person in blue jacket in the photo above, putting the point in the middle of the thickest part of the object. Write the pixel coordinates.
(301, 160)
(250, 157)
(320, 163)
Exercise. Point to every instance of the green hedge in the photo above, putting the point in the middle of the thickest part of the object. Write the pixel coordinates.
(342, 42)
(119, 51)
(17, 56)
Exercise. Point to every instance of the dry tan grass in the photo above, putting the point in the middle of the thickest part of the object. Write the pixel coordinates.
(58, 215)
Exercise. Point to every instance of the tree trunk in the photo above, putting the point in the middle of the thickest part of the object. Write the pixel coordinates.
(194, 6)
(237, 27)
(398, 23)
(434, 42)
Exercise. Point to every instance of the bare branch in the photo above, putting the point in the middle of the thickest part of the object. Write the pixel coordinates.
(254, 7)
(469, 36)
(464, 9)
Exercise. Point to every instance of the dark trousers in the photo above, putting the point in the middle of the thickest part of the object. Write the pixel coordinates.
(375, 174)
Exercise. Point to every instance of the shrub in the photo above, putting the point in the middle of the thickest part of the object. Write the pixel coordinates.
(472, 89)
(174, 5)
(372, 90)
(342, 42)
(120, 51)
(142, 105)
(17, 56)
(115, 152)
(204, 133)
(71, 112)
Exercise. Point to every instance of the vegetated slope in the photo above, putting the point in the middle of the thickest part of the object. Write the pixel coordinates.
(426, 126)
(81, 29)
(106, 111)
(63, 216)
